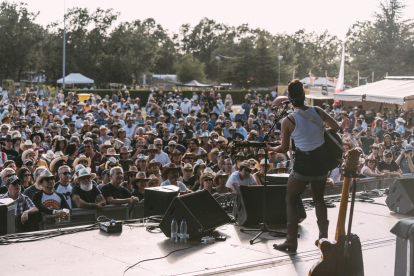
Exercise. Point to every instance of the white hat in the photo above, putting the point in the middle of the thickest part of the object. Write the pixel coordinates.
(27, 143)
(240, 111)
(26, 152)
(401, 120)
(49, 156)
(82, 173)
(186, 100)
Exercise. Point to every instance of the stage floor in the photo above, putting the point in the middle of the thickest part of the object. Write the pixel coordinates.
(98, 253)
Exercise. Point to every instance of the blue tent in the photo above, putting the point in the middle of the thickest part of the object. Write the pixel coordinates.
(194, 83)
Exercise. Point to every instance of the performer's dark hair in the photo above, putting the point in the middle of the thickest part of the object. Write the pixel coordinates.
(296, 92)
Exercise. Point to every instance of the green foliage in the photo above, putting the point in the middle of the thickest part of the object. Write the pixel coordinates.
(189, 68)
(122, 53)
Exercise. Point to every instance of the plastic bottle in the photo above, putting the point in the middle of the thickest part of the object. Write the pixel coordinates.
(174, 230)
(183, 231)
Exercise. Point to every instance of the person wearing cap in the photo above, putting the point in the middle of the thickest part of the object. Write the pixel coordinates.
(172, 174)
(24, 206)
(8, 150)
(391, 132)
(114, 193)
(105, 178)
(48, 201)
(85, 194)
(405, 159)
(241, 177)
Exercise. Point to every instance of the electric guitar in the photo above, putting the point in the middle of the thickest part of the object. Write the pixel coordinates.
(334, 254)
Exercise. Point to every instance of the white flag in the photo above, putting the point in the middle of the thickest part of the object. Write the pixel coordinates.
(341, 77)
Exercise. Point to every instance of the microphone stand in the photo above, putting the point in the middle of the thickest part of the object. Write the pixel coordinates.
(263, 226)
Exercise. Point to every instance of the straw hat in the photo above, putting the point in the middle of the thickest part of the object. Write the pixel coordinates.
(107, 144)
(171, 167)
(26, 152)
(188, 154)
(375, 145)
(398, 140)
(124, 150)
(57, 119)
(27, 143)
(58, 156)
(153, 162)
(151, 148)
(245, 164)
(132, 169)
(111, 160)
(213, 151)
(139, 176)
(48, 156)
(197, 164)
(54, 127)
(80, 158)
(83, 173)
(206, 176)
(111, 152)
(221, 139)
(219, 174)
(269, 165)
(176, 152)
(280, 166)
(154, 181)
(44, 175)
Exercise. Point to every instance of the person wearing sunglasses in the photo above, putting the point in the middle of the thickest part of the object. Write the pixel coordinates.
(370, 169)
(63, 186)
(23, 205)
(388, 165)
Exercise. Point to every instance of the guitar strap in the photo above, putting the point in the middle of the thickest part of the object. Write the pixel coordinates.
(321, 126)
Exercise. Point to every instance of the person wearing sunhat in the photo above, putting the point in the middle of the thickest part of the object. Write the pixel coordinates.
(171, 174)
(151, 151)
(398, 147)
(154, 167)
(241, 177)
(85, 194)
(114, 193)
(139, 183)
(213, 157)
(23, 206)
(219, 182)
(83, 160)
(129, 175)
(259, 175)
(125, 160)
(175, 157)
(59, 160)
(206, 182)
(48, 201)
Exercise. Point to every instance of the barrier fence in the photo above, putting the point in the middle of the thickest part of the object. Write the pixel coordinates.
(81, 216)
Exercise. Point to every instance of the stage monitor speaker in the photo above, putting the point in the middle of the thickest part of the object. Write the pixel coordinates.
(248, 208)
(7, 220)
(200, 210)
(158, 199)
(277, 179)
(401, 197)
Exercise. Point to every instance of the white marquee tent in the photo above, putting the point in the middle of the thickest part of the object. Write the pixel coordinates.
(393, 90)
(75, 78)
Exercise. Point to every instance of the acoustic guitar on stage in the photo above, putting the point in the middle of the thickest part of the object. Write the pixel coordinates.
(344, 255)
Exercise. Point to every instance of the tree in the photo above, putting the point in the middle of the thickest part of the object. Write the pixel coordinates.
(189, 68)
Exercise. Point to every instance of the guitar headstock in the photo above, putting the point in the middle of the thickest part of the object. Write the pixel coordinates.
(351, 160)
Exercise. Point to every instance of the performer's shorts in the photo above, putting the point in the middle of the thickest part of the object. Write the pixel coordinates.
(310, 165)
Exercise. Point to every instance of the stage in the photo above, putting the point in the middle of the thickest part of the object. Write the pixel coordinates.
(98, 253)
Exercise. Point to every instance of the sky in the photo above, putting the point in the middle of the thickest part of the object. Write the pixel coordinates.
(274, 16)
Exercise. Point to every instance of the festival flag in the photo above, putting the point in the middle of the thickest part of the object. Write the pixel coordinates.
(341, 78)
(312, 78)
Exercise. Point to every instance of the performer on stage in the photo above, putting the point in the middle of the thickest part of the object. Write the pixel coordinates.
(309, 165)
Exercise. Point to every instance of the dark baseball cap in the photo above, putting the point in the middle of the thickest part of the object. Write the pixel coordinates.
(14, 180)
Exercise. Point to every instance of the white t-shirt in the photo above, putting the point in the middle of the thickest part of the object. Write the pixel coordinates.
(235, 178)
(162, 158)
(368, 170)
(186, 107)
(65, 191)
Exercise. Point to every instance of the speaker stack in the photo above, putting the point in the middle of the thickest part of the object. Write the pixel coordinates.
(200, 210)
(401, 197)
(7, 225)
(158, 199)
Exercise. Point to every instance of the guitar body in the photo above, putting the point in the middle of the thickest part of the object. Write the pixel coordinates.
(332, 258)
(336, 257)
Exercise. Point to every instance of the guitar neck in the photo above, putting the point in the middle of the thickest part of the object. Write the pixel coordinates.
(340, 226)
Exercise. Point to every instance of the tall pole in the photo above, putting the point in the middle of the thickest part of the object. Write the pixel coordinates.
(358, 78)
(218, 70)
(279, 57)
(64, 44)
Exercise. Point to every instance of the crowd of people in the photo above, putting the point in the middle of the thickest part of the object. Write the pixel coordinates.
(61, 153)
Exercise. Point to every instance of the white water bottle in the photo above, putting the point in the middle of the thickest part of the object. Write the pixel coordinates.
(174, 230)
(183, 231)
